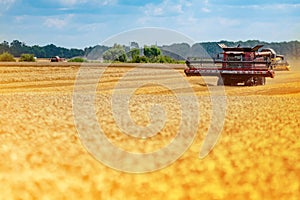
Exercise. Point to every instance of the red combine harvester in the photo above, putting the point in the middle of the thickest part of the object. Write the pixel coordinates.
(235, 65)
(56, 59)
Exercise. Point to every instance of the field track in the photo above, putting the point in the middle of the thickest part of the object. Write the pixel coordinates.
(256, 157)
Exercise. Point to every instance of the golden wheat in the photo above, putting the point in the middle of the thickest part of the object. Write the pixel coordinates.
(256, 157)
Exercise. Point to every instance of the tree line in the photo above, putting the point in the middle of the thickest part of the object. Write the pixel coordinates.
(17, 48)
(134, 53)
(180, 51)
(147, 54)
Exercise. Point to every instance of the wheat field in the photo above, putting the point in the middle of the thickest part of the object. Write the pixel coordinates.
(256, 157)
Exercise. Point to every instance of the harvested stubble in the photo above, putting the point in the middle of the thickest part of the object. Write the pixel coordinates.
(257, 156)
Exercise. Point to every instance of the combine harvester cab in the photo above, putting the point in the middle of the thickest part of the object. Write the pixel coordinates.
(236, 65)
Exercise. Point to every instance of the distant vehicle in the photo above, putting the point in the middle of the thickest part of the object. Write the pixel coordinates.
(56, 59)
(236, 65)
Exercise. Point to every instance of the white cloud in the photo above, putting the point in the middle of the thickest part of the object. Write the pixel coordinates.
(166, 8)
(92, 2)
(108, 2)
(70, 2)
(178, 9)
(156, 11)
(58, 22)
(206, 10)
(228, 22)
(270, 6)
(205, 2)
(205, 7)
(6, 4)
(19, 19)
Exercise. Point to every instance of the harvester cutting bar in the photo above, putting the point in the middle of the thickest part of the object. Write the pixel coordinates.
(220, 67)
(220, 71)
(213, 62)
(220, 62)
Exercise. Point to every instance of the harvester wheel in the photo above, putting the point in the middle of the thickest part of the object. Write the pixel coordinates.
(234, 83)
(227, 81)
(261, 80)
(250, 82)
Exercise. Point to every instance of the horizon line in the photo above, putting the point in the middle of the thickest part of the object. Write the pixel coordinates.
(155, 43)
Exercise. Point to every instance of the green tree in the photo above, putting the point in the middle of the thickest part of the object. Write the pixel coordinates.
(16, 48)
(135, 55)
(4, 47)
(116, 53)
(165, 59)
(134, 45)
(39, 51)
(77, 60)
(27, 58)
(7, 57)
(151, 52)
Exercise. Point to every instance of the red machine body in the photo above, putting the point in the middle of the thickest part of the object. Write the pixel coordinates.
(235, 65)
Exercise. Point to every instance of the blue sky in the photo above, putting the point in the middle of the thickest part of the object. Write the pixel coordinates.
(83, 23)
